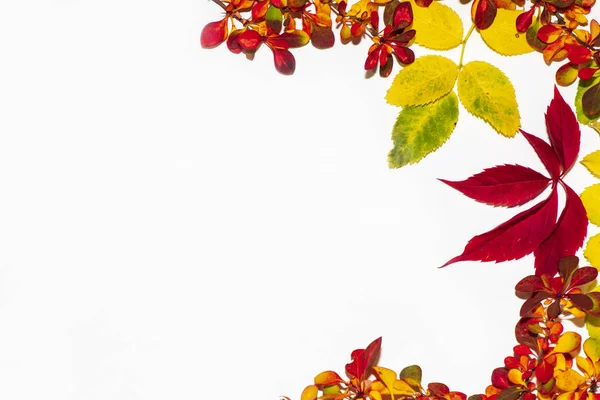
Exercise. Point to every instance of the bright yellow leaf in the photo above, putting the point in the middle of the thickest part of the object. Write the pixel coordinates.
(425, 80)
(387, 376)
(421, 130)
(591, 348)
(593, 323)
(403, 388)
(592, 251)
(585, 365)
(487, 93)
(502, 35)
(591, 200)
(516, 377)
(568, 396)
(592, 163)
(567, 342)
(438, 26)
(375, 395)
(569, 380)
(310, 393)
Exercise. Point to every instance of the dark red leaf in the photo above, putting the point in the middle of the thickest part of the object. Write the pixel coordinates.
(523, 333)
(249, 40)
(385, 67)
(402, 37)
(404, 55)
(532, 302)
(587, 73)
(285, 63)
(530, 284)
(582, 276)
(516, 237)
(232, 42)
(554, 309)
(511, 393)
(403, 15)
(322, 37)
(439, 389)
(566, 238)
(372, 59)
(566, 266)
(544, 372)
(500, 378)
(213, 34)
(388, 12)
(363, 360)
(503, 185)
(563, 130)
(525, 19)
(545, 153)
(582, 301)
(483, 13)
(591, 101)
(375, 20)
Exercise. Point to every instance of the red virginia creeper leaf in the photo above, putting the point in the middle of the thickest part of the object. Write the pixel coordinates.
(566, 238)
(213, 34)
(515, 238)
(363, 360)
(285, 63)
(545, 153)
(563, 130)
(503, 185)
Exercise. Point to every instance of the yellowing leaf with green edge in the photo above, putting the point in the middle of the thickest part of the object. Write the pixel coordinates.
(592, 163)
(591, 201)
(487, 93)
(425, 80)
(502, 35)
(569, 380)
(591, 348)
(310, 393)
(567, 342)
(438, 26)
(581, 89)
(592, 251)
(419, 131)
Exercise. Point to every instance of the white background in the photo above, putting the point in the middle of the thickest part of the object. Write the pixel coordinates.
(180, 223)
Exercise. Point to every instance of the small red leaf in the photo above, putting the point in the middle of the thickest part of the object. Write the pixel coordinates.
(563, 130)
(587, 73)
(372, 59)
(544, 372)
(524, 20)
(404, 55)
(213, 34)
(582, 301)
(516, 237)
(375, 20)
(566, 238)
(532, 302)
(483, 13)
(323, 37)
(545, 153)
(232, 42)
(403, 15)
(285, 63)
(503, 185)
(582, 276)
(363, 360)
(530, 284)
(500, 378)
(259, 9)
(439, 389)
(549, 33)
(249, 40)
(578, 54)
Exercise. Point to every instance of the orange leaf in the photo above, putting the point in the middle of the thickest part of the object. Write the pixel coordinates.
(310, 393)
(327, 378)
(568, 342)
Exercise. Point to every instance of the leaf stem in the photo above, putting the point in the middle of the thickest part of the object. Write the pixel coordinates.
(464, 43)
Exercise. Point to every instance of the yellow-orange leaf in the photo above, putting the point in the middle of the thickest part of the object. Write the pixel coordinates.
(569, 380)
(310, 393)
(502, 35)
(327, 378)
(386, 375)
(567, 342)
(402, 387)
(516, 377)
(585, 365)
(591, 348)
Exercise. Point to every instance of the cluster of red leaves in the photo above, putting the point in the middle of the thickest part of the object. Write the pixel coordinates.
(535, 230)
(366, 380)
(542, 366)
(275, 22)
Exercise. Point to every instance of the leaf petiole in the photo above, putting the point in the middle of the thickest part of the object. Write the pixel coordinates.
(463, 44)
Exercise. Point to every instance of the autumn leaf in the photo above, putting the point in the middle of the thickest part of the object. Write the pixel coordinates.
(569, 380)
(592, 163)
(591, 201)
(582, 88)
(503, 185)
(439, 27)
(563, 131)
(545, 153)
(422, 82)
(419, 131)
(502, 35)
(592, 251)
(487, 93)
(363, 360)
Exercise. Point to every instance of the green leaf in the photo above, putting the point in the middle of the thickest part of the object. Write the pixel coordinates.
(274, 18)
(438, 26)
(412, 372)
(419, 131)
(425, 80)
(487, 93)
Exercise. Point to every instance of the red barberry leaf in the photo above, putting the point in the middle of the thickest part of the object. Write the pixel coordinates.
(545, 153)
(524, 335)
(285, 63)
(372, 59)
(578, 54)
(438, 389)
(566, 238)
(322, 37)
(544, 372)
(532, 302)
(213, 34)
(249, 40)
(525, 19)
(582, 301)
(515, 238)
(530, 284)
(403, 16)
(500, 378)
(587, 73)
(566, 266)
(295, 38)
(259, 9)
(563, 130)
(363, 360)
(404, 54)
(582, 276)
(503, 185)
(483, 13)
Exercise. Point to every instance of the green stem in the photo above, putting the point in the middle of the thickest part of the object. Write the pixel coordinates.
(464, 43)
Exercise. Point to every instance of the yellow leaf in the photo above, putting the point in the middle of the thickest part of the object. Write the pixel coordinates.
(403, 388)
(567, 342)
(585, 365)
(425, 80)
(421, 130)
(592, 251)
(310, 393)
(438, 26)
(591, 200)
(569, 380)
(516, 377)
(387, 376)
(487, 93)
(593, 323)
(502, 36)
(591, 348)
(592, 163)
(375, 395)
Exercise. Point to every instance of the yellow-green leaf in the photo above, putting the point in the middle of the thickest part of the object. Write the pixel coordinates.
(419, 131)
(424, 81)
(581, 88)
(567, 342)
(591, 200)
(438, 26)
(591, 348)
(487, 93)
(502, 36)
(592, 251)
(592, 163)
